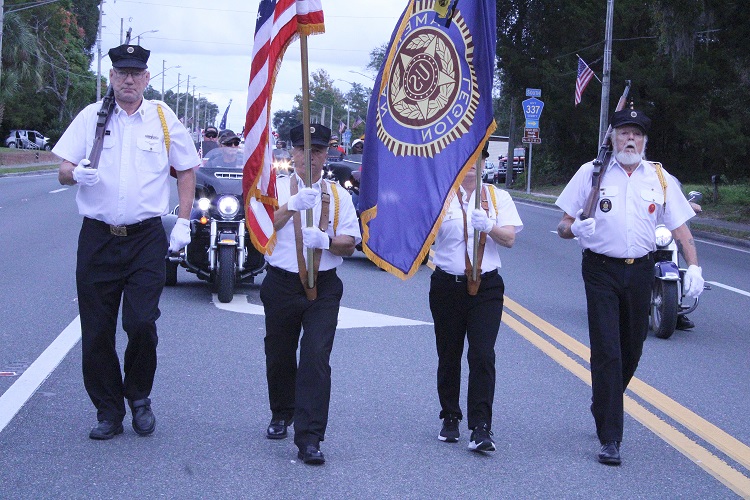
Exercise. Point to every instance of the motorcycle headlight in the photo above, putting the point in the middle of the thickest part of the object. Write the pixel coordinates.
(228, 206)
(204, 204)
(663, 235)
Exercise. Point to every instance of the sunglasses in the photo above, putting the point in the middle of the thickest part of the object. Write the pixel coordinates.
(211, 135)
(233, 143)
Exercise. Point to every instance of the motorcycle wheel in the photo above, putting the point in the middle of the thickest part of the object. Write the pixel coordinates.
(664, 305)
(171, 273)
(226, 275)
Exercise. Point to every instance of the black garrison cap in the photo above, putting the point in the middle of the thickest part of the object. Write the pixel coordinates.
(129, 56)
(631, 117)
(319, 135)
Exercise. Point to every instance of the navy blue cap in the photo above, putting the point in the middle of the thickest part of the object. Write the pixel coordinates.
(319, 135)
(129, 56)
(630, 117)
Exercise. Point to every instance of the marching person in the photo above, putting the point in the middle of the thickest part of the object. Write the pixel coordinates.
(300, 393)
(460, 312)
(618, 266)
(122, 243)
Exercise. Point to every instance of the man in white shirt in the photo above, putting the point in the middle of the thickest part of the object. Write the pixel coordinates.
(122, 244)
(618, 266)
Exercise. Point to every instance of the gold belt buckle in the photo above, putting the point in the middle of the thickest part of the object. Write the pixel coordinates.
(629, 261)
(118, 230)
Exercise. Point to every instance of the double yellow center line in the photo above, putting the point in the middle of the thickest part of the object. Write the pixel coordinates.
(735, 480)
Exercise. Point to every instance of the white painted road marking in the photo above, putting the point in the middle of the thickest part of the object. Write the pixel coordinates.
(58, 190)
(22, 389)
(730, 288)
(348, 318)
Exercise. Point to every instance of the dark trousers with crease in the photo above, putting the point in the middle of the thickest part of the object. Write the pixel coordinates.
(459, 316)
(111, 269)
(300, 391)
(618, 296)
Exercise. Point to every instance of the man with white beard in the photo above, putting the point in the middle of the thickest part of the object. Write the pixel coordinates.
(617, 265)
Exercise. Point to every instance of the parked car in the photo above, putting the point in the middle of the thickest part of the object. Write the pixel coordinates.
(519, 163)
(27, 139)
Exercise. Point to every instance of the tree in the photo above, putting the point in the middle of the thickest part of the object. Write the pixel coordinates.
(284, 121)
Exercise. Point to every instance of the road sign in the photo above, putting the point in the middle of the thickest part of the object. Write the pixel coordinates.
(347, 136)
(533, 92)
(532, 108)
(532, 123)
(531, 140)
(530, 132)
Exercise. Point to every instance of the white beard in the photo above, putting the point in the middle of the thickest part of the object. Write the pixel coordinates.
(625, 158)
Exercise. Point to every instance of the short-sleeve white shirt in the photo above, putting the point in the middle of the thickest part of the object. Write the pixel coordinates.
(134, 164)
(450, 246)
(284, 254)
(629, 208)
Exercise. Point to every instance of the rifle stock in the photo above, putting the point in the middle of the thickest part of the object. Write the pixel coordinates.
(103, 116)
(602, 161)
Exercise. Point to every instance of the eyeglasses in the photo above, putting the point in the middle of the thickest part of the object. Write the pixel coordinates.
(233, 143)
(211, 135)
(137, 74)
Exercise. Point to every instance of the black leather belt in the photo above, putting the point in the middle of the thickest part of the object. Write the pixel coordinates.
(461, 278)
(618, 260)
(290, 275)
(127, 230)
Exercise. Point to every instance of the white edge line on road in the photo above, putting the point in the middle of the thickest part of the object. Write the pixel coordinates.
(22, 389)
(58, 190)
(730, 288)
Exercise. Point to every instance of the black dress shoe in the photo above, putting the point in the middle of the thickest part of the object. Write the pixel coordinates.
(609, 454)
(684, 323)
(277, 428)
(311, 455)
(106, 429)
(144, 421)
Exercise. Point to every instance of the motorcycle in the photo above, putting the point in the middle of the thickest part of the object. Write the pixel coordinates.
(220, 250)
(667, 297)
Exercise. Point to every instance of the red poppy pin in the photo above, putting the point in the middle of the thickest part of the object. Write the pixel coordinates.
(651, 208)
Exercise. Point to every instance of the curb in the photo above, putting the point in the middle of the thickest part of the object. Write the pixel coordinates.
(715, 237)
(41, 171)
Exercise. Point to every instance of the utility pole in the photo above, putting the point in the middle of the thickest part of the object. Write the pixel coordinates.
(99, 53)
(187, 93)
(604, 112)
(510, 156)
(163, 69)
(2, 20)
(177, 110)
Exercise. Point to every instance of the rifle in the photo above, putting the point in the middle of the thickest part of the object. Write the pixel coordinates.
(602, 160)
(104, 114)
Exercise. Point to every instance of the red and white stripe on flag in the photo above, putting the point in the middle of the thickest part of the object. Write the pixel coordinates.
(278, 23)
(582, 80)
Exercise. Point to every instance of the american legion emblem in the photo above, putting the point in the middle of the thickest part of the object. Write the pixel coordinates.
(431, 95)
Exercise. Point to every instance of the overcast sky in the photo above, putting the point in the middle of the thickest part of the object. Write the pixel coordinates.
(212, 42)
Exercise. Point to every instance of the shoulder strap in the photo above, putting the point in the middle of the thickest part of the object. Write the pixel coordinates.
(167, 140)
(335, 191)
(662, 181)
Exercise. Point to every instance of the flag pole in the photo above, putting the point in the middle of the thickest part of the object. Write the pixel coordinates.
(306, 135)
(477, 205)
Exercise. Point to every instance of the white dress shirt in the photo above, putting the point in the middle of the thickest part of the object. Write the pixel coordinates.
(632, 206)
(450, 245)
(284, 254)
(134, 166)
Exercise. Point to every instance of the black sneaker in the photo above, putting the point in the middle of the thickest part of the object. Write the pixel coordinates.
(449, 433)
(481, 439)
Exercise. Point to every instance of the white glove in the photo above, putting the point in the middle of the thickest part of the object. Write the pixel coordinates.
(312, 237)
(583, 228)
(305, 199)
(479, 220)
(693, 282)
(180, 236)
(85, 176)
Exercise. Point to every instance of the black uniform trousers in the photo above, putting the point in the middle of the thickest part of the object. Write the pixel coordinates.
(458, 316)
(300, 391)
(111, 268)
(618, 296)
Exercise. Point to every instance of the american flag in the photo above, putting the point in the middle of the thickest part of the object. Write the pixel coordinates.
(584, 77)
(278, 24)
(359, 121)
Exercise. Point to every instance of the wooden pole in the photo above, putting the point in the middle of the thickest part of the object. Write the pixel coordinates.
(306, 135)
(477, 205)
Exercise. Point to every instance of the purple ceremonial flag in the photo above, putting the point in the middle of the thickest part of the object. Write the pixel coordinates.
(430, 114)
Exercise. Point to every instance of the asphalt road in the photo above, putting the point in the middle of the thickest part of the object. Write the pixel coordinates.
(686, 432)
